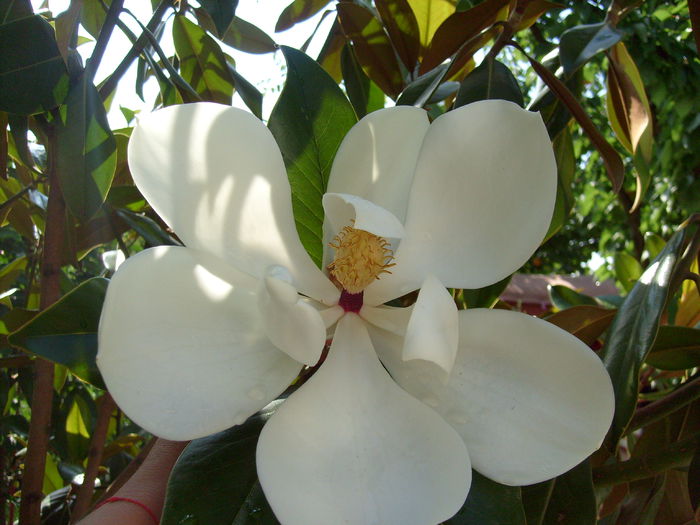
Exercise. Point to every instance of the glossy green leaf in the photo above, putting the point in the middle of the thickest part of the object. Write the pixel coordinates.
(215, 476)
(298, 11)
(202, 62)
(535, 501)
(563, 297)
(634, 329)
(66, 332)
(86, 154)
(33, 76)
(566, 168)
(402, 27)
(15, 9)
(653, 244)
(147, 228)
(459, 28)
(572, 500)
(428, 89)
(627, 270)
(675, 348)
(485, 297)
(78, 425)
(490, 503)
(490, 80)
(583, 321)
(309, 121)
(579, 44)
(364, 94)
(372, 46)
(221, 12)
(92, 16)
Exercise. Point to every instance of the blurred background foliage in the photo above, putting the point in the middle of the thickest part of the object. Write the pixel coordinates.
(616, 83)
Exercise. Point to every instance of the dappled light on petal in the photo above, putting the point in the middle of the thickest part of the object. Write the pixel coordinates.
(216, 176)
(481, 200)
(293, 325)
(181, 346)
(530, 400)
(352, 447)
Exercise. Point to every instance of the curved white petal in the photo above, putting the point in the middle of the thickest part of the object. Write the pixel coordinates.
(351, 447)
(433, 329)
(216, 176)
(481, 200)
(392, 319)
(530, 400)
(343, 210)
(181, 347)
(293, 325)
(377, 157)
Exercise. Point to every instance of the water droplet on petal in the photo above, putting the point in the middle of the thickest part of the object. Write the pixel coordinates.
(256, 393)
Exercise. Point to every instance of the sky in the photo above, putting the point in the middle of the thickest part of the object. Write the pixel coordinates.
(264, 71)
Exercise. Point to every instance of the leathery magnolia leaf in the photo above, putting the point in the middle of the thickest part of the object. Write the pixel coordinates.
(584, 321)
(372, 47)
(566, 167)
(675, 348)
(429, 15)
(634, 329)
(86, 156)
(402, 26)
(66, 332)
(364, 94)
(490, 503)
(33, 76)
(298, 11)
(627, 270)
(215, 477)
(247, 37)
(428, 89)
(491, 79)
(147, 228)
(564, 297)
(309, 121)
(202, 62)
(573, 499)
(221, 12)
(579, 44)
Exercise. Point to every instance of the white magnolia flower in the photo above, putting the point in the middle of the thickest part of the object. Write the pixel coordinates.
(194, 340)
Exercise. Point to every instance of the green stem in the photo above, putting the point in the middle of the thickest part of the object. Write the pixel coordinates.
(676, 455)
(105, 34)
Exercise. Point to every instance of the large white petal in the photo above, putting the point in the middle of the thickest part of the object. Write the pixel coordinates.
(530, 400)
(181, 346)
(290, 322)
(481, 200)
(351, 447)
(377, 157)
(216, 176)
(343, 210)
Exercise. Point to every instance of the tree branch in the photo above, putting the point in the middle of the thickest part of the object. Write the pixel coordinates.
(42, 398)
(103, 39)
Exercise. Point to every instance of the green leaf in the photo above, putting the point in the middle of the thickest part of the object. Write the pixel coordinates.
(627, 270)
(653, 244)
(309, 121)
(584, 321)
(372, 47)
(485, 297)
(563, 297)
(298, 11)
(221, 12)
(93, 15)
(66, 332)
(428, 89)
(202, 62)
(563, 146)
(86, 154)
(490, 80)
(430, 14)
(33, 76)
(490, 503)
(215, 476)
(247, 37)
(675, 348)
(13, 10)
(147, 228)
(535, 500)
(634, 329)
(402, 27)
(573, 499)
(364, 94)
(248, 92)
(579, 44)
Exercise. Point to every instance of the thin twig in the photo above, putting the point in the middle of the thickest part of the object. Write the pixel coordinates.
(42, 398)
(97, 445)
(682, 396)
(105, 34)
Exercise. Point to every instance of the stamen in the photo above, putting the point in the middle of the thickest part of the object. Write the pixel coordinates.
(360, 258)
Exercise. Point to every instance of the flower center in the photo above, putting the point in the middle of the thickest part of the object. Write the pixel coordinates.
(360, 258)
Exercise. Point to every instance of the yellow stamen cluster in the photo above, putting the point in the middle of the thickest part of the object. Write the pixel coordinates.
(360, 258)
